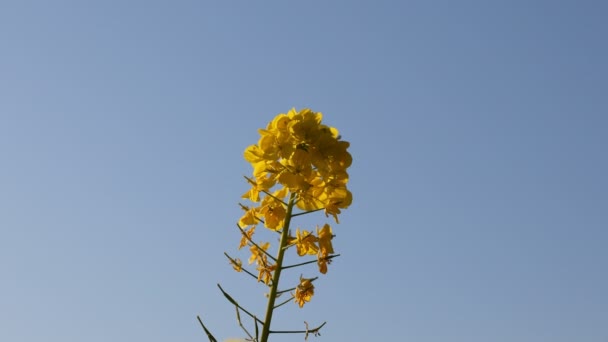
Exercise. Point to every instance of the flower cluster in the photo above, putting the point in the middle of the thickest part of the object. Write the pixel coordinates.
(320, 245)
(300, 163)
(299, 167)
(303, 157)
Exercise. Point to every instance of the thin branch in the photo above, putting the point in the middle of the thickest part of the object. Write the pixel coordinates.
(293, 288)
(284, 291)
(238, 318)
(304, 237)
(274, 197)
(311, 261)
(209, 335)
(246, 208)
(255, 244)
(243, 269)
(307, 331)
(257, 330)
(307, 212)
(231, 300)
(252, 182)
(285, 302)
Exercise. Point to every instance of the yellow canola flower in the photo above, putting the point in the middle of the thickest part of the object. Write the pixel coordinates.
(261, 183)
(250, 218)
(312, 196)
(257, 254)
(265, 270)
(296, 170)
(325, 235)
(299, 155)
(273, 210)
(305, 243)
(308, 158)
(304, 291)
(322, 261)
(254, 154)
(237, 264)
(305, 125)
(279, 123)
(273, 213)
(246, 237)
(275, 144)
(339, 198)
(331, 155)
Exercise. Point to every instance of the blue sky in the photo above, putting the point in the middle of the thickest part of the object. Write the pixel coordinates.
(478, 131)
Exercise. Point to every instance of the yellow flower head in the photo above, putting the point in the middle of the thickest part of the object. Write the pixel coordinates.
(299, 153)
(304, 291)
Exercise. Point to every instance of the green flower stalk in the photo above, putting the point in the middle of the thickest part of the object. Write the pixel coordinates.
(277, 273)
(300, 165)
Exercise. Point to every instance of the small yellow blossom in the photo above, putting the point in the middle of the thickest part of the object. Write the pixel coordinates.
(305, 242)
(237, 264)
(324, 236)
(257, 254)
(322, 261)
(247, 234)
(250, 218)
(260, 184)
(273, 212)
(311, 195)
(304, 291)
(325, 247)
(265, 270)
(254, 154)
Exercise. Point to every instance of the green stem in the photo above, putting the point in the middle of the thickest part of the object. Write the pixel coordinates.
(310, 262)
(307, 212)
(277, 273)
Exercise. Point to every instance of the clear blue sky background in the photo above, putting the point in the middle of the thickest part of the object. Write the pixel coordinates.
(479, 136)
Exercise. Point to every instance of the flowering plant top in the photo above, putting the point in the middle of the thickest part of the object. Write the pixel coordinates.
(299, 167)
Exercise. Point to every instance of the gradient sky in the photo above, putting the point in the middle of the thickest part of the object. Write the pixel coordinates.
(478, 129)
